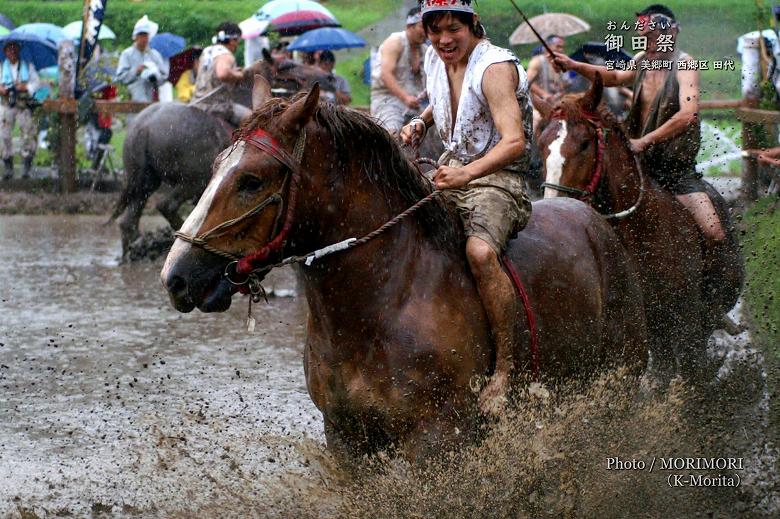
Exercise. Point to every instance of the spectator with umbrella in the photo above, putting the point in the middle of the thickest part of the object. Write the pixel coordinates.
(218, 73)
(185, 65)
(343, 93)
(18, 83)
(141, 67)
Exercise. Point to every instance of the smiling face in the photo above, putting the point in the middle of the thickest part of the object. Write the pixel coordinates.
(452, 39)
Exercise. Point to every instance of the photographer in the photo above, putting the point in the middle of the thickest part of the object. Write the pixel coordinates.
(18, 83)
(141, 67)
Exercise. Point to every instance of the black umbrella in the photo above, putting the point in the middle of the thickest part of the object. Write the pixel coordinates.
(596, 53)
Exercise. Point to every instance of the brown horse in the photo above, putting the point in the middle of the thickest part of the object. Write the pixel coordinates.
(587, 156)
(397, 335)
(175, 144)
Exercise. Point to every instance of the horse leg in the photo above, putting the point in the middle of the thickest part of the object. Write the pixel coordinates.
(169, 206)
(128, 223)
(436, 437)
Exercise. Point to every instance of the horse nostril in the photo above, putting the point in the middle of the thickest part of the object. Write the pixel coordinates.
(176, 285)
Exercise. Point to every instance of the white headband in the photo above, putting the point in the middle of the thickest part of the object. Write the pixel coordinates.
(429, 6)
(415, 18)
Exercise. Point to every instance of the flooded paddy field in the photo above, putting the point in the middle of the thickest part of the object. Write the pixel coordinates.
(112, 404)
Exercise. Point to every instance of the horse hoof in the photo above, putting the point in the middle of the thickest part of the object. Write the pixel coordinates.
(492, 399)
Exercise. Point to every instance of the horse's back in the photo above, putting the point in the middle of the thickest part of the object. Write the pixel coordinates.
(178, 141)
(582, 287)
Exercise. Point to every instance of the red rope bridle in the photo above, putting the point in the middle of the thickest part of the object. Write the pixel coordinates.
(595, 179)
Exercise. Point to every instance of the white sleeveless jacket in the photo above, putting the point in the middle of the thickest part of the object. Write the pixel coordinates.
(474, 133)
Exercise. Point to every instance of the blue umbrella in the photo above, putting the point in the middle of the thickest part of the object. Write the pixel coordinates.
(168, 44)
(47, 31)
(327, 38)
(6, 22)
(41, 53)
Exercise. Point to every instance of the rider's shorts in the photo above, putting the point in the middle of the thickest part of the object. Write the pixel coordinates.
(389, 112)
(493, 208)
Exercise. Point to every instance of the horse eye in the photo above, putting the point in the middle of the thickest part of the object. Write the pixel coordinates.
(584, 145)
(250, 183)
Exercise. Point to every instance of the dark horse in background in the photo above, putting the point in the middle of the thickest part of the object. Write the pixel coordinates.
(397, 333)
(587, 155)
(176, 144)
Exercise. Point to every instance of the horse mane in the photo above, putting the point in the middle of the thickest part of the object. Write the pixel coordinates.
(359, 139)
(571, 109)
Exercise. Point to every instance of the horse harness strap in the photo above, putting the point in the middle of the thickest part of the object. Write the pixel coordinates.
(267, 143)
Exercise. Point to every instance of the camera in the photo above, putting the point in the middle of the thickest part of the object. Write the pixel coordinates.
(12, 96)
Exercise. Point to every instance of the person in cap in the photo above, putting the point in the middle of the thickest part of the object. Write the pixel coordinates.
(18, 83)
(397, 81)
(663, 123)
(546, 84)
(141, 67)
(218, 74)
(343, 93)
(482, 111)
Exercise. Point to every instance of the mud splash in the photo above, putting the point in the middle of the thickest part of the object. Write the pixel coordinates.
(114, 405)
(566, 452)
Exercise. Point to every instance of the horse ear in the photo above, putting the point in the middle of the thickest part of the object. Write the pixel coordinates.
(543, 107)
(267, 56)
(593, 97)
(302, 110)
(261, 92)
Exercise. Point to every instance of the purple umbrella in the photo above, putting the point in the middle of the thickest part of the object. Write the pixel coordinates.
(6, 22)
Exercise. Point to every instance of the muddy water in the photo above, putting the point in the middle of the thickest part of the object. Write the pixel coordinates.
(111, 400)
(114, 405)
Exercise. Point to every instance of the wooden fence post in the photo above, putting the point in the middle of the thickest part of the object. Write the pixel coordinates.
(67, 158)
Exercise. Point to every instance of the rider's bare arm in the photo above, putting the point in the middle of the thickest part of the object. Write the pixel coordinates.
(499, 84)
(688, 114)
(534, 69)
(391, 53)
(609, 77)
(226, 70)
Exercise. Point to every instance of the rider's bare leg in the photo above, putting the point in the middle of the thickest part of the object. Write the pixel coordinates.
(498, 299)
(700, 206)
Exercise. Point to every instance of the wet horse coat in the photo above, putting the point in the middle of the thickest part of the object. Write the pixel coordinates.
(588, 156)
(397, 335)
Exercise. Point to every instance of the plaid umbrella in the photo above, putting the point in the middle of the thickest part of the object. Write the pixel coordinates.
(297, 22)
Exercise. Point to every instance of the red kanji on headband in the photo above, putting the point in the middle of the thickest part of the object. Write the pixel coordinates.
(447, 5)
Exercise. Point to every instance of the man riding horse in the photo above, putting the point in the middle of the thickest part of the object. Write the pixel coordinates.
(218, 74)
(663, 123)
(488, 145)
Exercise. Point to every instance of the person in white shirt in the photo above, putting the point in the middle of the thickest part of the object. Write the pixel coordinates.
(482, 111)
(141, 67)
(18, 83)
(397, 80)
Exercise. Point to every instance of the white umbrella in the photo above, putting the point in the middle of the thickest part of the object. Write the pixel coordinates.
(547, 24)
(73, 31)
(252, 27)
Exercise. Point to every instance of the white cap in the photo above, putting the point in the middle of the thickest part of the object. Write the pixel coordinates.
(145, 25)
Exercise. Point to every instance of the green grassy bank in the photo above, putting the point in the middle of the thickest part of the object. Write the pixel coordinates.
(762, 257)
(762, 292)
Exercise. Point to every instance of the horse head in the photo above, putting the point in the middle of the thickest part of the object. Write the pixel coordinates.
(246, 209)
(572, 144)
(287, 77)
